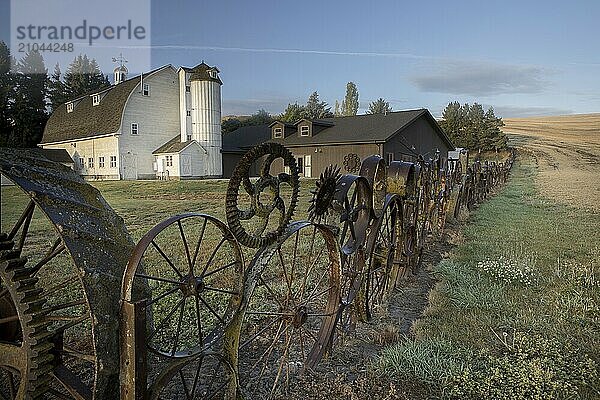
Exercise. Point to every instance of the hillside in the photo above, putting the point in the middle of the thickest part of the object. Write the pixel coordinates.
(567, 149)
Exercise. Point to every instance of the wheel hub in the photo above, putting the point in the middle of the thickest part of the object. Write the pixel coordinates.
(192, 286)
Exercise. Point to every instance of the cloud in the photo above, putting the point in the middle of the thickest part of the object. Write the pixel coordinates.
(481, 79)
(250, 106)
(519, 112)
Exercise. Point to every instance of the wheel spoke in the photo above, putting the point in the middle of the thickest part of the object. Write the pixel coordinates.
(220, 290)
(161, 296)
(214, 271)
(56, 249)
(156, 278)
(26, 214)
(178, 332)
(200, 237)
(287, 279)
(213, 255)
(185, 244)
(165, 320)
(211, 310)
(167, 259)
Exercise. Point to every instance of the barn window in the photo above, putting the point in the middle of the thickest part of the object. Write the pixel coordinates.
(188, 113)
(146, 90)
(278, 133)
(134, 128)
(188, 88)
(100, 162)
(70, 107)
(81, 162)
(90, 162)
(189, 137)
(304, 130)
(113, 161)
(95, 99)
(169, 161)
(390, 158)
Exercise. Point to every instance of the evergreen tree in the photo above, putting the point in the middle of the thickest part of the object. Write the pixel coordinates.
(469, 126)
(350, 102)
(56, 89)
(336, 110)
(230, 125)
(292, 113)
(316, 109)
(261, 117)
(379, 106)
(6, 95)
(83, 76)
(29, 109)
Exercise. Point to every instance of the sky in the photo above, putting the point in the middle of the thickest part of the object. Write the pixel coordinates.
(523, 58)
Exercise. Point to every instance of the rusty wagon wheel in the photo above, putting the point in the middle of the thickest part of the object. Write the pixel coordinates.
(384, 242)
(63, 251)
(249, 211)
(353, 199)
(186, 276)
(374, 169)
(293, 295)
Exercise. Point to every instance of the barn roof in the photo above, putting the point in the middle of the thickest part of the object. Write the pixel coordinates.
(245, 137)
(173, 146)
(87, 120)
(363, 129)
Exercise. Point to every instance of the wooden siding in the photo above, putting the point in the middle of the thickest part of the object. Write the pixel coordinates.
(330, 154)
(420, 134)
(93, 148)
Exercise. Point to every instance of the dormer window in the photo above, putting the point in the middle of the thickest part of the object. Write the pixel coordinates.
(212, 73)
(69, 107)
(305, 130)
(146, 90)
(95, 99)
(278, 133)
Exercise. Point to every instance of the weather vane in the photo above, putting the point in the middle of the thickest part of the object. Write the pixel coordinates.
(121, 60)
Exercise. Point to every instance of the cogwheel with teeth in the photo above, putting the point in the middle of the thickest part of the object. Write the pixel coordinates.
(25, 358)
(323, 194)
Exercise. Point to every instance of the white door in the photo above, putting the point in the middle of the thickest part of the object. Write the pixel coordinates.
(186, 165)
(129, 165)
(307, 167)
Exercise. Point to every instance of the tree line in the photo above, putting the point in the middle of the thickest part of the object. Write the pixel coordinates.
(471, 127)
(28, 95)
(313, 109)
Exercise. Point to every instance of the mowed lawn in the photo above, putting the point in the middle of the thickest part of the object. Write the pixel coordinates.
(516, 311)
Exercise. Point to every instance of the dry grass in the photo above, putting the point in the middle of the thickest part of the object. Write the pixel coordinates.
(567, 149)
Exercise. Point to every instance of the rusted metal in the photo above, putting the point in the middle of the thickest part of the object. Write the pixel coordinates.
(265, 183)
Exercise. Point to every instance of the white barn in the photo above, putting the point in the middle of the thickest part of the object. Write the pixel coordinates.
(163, 124)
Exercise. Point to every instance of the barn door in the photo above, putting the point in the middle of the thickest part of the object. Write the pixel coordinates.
(129, 165)
(307, 167)
(186, 165)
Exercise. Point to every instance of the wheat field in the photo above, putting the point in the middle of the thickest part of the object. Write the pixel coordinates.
(567, 150)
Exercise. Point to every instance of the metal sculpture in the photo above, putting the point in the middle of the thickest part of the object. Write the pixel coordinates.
(86, 314)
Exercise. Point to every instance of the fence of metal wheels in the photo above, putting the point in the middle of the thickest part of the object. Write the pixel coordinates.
(204, 308)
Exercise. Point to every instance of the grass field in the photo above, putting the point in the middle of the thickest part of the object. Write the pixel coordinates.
(516, 310)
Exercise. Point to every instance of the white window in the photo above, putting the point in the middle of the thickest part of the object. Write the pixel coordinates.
(169, 161)
(304, 130)
(81, 162)
(134, 128)
(113, 161)
(188, 88)
(390, 158)
(146, 90)
(69, 107)
(90, 162)
(100, 162)
(96, 99)
(189, 137)
(278, 133)
(188, 113)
